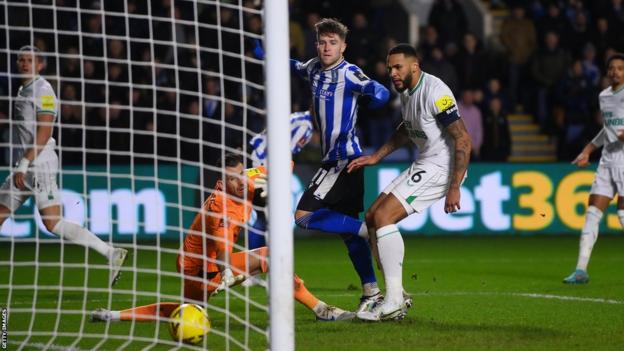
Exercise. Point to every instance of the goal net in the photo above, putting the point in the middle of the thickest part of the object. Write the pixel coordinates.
(150, 95)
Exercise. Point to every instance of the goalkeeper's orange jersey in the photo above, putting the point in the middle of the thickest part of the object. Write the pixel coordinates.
(219, 224)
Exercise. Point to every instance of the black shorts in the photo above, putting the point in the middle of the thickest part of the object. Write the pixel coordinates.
(335, 189)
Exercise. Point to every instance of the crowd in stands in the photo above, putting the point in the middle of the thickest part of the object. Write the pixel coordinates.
(547, 61)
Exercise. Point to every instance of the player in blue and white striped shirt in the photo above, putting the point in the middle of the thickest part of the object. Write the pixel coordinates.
(334, 198)
(301, 130)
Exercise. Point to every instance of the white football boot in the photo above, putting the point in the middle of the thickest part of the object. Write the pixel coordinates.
(385, 311)
(367, 303)
(101, 315)
(332, 313)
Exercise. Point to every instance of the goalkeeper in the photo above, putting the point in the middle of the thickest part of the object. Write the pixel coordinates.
(36, 108)
(207, 260)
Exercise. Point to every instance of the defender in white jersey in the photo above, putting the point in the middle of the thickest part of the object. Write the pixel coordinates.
(35, 110)
(609, 179)
(431, 121)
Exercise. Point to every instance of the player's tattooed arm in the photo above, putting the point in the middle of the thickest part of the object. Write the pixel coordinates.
(458, 131)
(399, 138)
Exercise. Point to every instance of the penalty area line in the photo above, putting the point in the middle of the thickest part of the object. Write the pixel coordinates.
(512, 294)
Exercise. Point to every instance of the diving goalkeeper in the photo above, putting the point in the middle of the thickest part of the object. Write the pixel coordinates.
(207, 260)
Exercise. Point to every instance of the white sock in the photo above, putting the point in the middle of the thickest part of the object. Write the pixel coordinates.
(620, 214)
(319, 307)
(588, 236)
(79, 235)
(370, 289)
(363, 231)
(115, 316)
(391, 252)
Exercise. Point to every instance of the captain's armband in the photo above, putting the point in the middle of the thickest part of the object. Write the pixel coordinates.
(448, 116)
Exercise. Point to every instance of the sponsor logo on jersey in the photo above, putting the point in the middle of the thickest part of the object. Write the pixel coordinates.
(361, 76)
(417, 133)
(414, 133)
(444, 103)
(47, 102)
(326, 93)
(614, 122)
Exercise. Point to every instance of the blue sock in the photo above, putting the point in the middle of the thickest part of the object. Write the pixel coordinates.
(255, 236)
(360, 255)
(330, 221)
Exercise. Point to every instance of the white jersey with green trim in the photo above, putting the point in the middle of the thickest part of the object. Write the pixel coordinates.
(420, 106)
(34, 98)
(612, 110)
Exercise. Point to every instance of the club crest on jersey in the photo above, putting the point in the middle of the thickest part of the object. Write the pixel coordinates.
(444, 103)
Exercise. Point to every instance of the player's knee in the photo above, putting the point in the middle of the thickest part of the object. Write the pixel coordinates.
(380, 219)
(302, 219)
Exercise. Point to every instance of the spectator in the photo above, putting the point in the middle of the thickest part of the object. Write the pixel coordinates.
(449, 18)
(473, 120)
(441, 68)
(361, 42)
(573, 95)
(581, 34)
(547, 68)
(590, 68)
(554, 21)
(518, 39)
(309, 34)
(470, 69)
(496, 145)
(603, 38)
(429, 41)
(494, 90)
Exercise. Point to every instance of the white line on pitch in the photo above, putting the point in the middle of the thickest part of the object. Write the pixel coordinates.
(528, 295)
(42, 346)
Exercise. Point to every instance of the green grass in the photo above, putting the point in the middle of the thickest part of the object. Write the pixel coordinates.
(470, 293)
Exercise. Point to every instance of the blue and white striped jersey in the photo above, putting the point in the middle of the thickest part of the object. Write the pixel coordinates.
(335, 92)
(300, 134)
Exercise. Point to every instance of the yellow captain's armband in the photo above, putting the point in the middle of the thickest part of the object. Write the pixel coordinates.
(444, 103)
(47, 102)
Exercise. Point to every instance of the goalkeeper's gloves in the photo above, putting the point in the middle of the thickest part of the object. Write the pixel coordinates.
(227, 280)
(260, 183)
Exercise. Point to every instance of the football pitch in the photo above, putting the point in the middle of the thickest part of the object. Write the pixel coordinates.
(470, 293)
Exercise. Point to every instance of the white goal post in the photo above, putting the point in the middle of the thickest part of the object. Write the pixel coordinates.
(150, 94)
